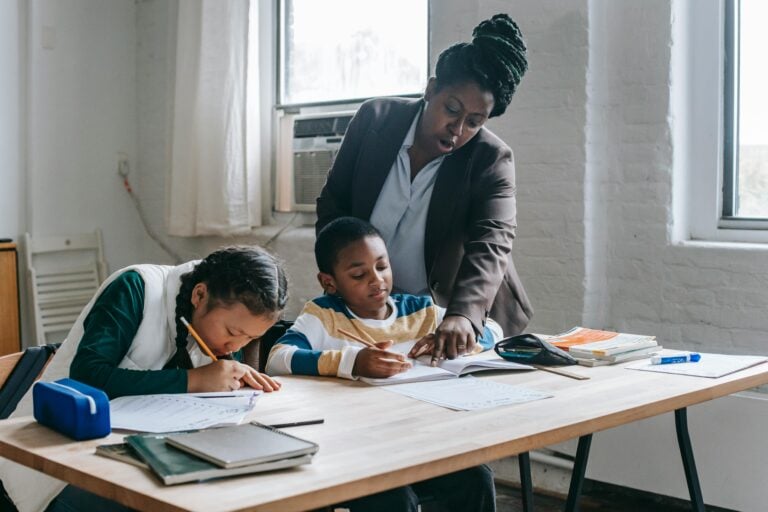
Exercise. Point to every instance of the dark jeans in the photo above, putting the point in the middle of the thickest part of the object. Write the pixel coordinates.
(470, 490)
(74, 499)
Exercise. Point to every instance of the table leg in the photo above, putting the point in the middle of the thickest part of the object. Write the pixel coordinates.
(579, 470)
(526, 483)
(686, 451)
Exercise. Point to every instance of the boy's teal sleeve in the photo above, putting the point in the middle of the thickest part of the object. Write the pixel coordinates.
(109, 330)
(301, 360)
(293, 354)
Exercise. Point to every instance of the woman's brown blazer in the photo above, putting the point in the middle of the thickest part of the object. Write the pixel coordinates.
(471, 217)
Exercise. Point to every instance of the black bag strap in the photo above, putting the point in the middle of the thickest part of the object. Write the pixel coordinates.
(23, 375)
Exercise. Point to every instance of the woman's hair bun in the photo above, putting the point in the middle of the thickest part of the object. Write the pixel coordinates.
(501, 45)
(496, 59)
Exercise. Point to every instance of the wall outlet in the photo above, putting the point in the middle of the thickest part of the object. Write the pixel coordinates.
(123, 165)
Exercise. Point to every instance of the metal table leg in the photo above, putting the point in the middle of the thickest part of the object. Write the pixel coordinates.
(686, 451)
(526, 483)
(579, 470)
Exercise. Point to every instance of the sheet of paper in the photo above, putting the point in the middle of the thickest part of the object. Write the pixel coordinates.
(174, 413)
(419, 372)
(467, 393)
(710, 365)
(237, 398)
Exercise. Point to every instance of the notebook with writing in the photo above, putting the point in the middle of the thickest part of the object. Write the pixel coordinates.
(422, 371)
(241, 445)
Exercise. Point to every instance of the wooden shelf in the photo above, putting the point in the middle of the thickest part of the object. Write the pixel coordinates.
(9, 300)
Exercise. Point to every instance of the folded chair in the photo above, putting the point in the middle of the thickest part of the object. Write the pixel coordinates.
(63, 272)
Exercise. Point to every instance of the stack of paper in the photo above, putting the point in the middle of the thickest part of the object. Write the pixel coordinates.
(592, 347)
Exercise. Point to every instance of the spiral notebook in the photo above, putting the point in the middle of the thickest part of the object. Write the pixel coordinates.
(242, 445)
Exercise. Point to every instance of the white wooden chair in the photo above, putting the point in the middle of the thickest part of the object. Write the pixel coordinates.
(64, 272)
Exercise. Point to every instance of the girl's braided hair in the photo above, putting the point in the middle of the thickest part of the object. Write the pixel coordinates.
(239, 274)
(496, 60)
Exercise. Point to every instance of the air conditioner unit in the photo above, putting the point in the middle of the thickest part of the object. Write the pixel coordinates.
(306, 148)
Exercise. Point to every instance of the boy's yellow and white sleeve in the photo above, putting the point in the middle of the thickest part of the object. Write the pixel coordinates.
(307, 349)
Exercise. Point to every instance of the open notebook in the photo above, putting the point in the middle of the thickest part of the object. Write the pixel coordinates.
(446, 369)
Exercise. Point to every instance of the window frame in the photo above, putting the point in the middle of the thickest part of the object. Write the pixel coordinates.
(713, 126)
(329, 104)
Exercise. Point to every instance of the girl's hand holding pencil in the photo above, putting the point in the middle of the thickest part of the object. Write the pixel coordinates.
(224, 375)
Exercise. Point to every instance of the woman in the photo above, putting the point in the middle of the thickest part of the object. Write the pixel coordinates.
(130, 340)
(441, 188)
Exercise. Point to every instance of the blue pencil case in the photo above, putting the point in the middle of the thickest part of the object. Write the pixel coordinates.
(72, 408)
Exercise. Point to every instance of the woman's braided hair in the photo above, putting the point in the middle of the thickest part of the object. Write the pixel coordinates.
(239, 274)
(496, 60)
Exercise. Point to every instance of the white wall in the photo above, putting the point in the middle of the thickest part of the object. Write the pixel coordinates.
(82, 113)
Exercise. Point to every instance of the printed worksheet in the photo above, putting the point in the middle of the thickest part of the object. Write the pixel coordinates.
(467, 393)
(177, 412)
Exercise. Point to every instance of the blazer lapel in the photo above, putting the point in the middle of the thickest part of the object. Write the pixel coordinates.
(450, 185)
(378, 155)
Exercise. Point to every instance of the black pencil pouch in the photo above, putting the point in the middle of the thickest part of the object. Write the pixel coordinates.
(72, 408)
(530, 349)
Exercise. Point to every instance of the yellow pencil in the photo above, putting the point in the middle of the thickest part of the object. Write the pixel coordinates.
(357, 338)
(199, 340)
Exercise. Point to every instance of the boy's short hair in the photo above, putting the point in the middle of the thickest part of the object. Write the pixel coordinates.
(337, 235)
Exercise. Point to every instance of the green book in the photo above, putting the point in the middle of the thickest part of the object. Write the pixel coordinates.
(174, 466)
(122, 452)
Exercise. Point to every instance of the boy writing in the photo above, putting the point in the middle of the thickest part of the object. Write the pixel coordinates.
(357, 279)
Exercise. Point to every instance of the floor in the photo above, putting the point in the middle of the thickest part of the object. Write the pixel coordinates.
(597, 497)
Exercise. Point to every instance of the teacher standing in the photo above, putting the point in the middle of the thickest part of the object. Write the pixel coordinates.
(441, 187)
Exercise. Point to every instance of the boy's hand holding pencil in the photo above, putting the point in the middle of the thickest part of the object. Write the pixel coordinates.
(375, 360)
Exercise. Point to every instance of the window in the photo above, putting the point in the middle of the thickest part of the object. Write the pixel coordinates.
(337, 50)
(745, 175)
(721, 79)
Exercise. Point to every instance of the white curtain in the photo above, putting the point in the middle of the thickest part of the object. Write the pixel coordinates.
(214, 183)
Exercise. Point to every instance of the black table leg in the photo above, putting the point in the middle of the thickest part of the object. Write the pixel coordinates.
(579, 470)
(526, 483)
(686, 451)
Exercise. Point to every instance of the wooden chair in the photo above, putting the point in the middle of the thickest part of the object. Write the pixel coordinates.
(63, 272)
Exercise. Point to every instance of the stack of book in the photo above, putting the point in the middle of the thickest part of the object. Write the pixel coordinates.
(592, 347)
(213, 453)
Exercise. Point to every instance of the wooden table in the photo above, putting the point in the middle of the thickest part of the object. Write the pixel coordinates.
(374, 440)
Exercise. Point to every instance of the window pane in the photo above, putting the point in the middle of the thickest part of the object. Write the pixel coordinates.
(345, 49)
(753, 110)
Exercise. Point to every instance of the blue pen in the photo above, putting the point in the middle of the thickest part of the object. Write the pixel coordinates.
(691, 357)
